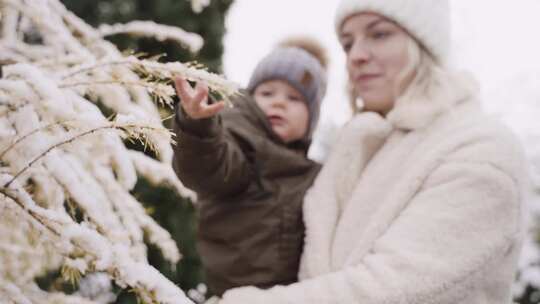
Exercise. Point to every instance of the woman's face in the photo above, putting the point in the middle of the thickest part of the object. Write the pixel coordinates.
(377, 55)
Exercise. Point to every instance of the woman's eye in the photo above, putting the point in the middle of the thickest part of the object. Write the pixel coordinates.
(346, 43)
(379, 35)
(346, 46)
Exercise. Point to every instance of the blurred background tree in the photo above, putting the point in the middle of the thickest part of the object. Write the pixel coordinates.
(175, 214)
(210, 24)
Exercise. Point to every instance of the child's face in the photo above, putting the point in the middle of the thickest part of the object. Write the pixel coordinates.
(285, 109)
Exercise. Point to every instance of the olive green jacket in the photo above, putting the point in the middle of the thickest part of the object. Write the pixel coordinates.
(250, 187)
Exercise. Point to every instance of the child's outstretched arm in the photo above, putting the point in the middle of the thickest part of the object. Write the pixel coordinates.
(205, 159)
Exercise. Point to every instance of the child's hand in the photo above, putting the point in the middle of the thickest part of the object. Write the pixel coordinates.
(194, 101)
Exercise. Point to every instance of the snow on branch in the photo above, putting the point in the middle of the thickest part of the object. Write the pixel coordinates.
(66, 174)
(198, 5)
(133, 130)
(158, 174)
(87, 250)
(161, 32)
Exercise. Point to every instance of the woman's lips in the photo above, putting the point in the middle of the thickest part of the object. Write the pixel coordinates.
(366, 77)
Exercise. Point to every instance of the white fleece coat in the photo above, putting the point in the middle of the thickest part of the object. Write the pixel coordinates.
(411, 210)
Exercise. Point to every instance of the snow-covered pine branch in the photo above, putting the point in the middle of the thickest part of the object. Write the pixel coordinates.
(161, 32)
(65, 173)
(199, 5)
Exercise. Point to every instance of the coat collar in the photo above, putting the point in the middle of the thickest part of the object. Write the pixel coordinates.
(417, 112)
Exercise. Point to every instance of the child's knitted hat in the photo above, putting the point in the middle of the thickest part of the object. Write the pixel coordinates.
(301, 62)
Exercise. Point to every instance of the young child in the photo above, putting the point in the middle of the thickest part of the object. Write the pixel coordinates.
(249, 168)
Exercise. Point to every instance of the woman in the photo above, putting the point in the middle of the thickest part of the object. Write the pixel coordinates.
(420, 201)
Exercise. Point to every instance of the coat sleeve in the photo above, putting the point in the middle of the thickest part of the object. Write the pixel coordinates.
(465, 216)
(207, 159)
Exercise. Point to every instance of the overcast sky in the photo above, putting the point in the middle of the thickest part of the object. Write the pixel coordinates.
(497, 40)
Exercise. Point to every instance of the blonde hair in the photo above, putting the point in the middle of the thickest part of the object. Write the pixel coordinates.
(434, 82)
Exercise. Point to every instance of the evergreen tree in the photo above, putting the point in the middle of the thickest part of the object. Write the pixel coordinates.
(175, 214)
(209, 24)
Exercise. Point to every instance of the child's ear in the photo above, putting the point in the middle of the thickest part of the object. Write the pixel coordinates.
(307, 78)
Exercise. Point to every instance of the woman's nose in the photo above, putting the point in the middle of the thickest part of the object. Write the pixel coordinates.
(359, 53)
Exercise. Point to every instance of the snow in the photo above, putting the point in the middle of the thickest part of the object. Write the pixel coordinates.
(193, 42)
(65, 173)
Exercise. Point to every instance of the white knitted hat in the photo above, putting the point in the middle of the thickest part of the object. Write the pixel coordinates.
(427, 20)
